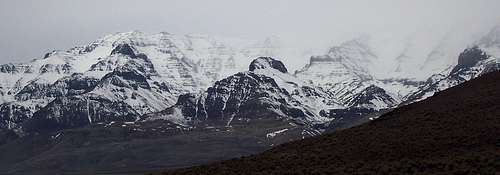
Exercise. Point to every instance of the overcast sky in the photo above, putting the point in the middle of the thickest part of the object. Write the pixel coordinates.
(29, 28)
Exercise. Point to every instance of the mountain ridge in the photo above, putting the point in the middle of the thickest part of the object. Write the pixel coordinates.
(133, 88)
(141, 74)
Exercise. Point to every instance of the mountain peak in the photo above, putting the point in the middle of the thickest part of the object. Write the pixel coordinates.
(267, 62)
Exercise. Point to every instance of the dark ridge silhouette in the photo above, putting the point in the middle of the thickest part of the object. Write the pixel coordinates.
(457, 131)
(261, 63)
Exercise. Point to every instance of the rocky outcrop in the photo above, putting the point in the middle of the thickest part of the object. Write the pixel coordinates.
(472, 63)
(267, 62)
(13, 116)
(124, 49)
(468, 59)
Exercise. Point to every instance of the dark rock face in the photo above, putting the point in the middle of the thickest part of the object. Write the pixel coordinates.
(9, 68)
(78, 111)
(47, 55)
(267, 62)
(72, 85)
(124, 49)
(138, 62)
(141, 64)
(469, 63)
(162, 86)
(102, 66)
(33, 90)
(309, 91)
(126, 78)
(13, 115)
(60, 69)
(469, 58)
(189, 105)
(75, 85)
(90, 48)
(240, 94)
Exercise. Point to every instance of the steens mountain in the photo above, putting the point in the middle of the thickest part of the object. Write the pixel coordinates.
(134, 90)
(190, 79)
(245, 113)
(127, 74)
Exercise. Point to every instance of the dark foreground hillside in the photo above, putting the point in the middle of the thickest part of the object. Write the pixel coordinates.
(457, 131)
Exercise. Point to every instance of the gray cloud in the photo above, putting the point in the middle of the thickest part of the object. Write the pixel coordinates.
(30, 28)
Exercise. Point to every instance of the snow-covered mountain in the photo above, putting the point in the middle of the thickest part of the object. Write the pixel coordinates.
(192, 79)
(345, 72)
(139, 72)
(386, 71)
(265, 90)
(190, 62)
(472, 63)
(481, 58)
